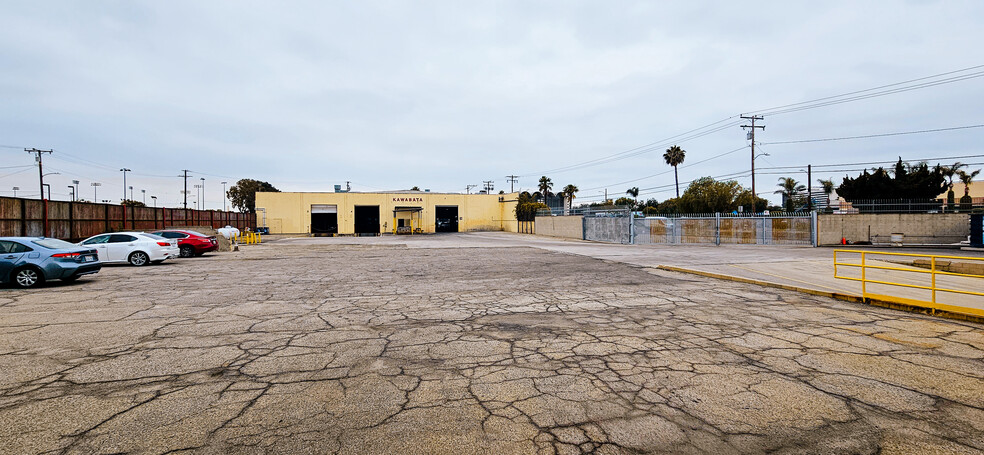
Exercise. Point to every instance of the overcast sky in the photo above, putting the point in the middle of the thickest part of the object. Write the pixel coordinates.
(389, 95)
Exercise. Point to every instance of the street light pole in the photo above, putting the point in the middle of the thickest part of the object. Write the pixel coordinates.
(73, 192)
(76, 193)
(124, 171)
(224, 196)
(203, 193)
(155, 201)
(15, 190)
(95, 191)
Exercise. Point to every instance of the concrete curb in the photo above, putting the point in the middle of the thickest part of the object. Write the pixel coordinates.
(834, 295)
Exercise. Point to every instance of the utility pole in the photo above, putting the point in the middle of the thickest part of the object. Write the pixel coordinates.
(40, 170)
(751, 135)
(41, 186)
(185, 192)
(809, 187)
(468, 188)
(488, 186)
(511, 180)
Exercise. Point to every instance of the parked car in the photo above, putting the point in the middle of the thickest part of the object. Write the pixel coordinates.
(137, 248)
(190, 243)
(29, 261)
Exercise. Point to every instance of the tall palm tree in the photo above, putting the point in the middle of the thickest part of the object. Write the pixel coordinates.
(790, 190)
(674, 156)
(634, 192)
(569, 192)
(545, 186)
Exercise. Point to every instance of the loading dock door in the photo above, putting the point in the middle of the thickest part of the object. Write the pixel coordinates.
(447, 218)
(324, 219)
(367, 219)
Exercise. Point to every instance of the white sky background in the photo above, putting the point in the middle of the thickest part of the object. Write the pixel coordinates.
(440, 95)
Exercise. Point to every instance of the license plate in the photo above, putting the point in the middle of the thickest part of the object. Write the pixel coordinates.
(90, 259)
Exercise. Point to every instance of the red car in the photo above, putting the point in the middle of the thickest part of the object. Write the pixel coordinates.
(190, 243)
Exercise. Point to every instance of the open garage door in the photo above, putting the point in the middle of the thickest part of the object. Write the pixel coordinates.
(446, 218)
(367, 220)
(324, 219)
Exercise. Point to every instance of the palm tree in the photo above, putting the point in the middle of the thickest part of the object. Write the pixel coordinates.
(545, 186)
(634, 192)
(569, 191)
(967, 202)
(674, 156)
(828, 188)
(790, 190)
(949, 172)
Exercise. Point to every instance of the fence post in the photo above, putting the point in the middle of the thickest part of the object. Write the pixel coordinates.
(631, 226)
(717, 228)
(814, 228)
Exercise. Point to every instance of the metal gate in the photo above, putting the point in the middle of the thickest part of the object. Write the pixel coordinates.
(717, 229)
(622, 226)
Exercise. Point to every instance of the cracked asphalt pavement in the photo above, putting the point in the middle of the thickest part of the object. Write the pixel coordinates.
(335, 348)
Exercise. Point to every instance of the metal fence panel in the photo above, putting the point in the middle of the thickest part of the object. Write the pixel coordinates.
(716, 229)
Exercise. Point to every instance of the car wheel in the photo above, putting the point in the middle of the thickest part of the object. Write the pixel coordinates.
(71, 278)
(187, 251)
(27, 277)
(139, 258)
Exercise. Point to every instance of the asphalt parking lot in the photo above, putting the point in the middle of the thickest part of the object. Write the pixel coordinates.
(462, 344)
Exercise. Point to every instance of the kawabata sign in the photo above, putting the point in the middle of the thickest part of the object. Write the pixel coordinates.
(408, 199)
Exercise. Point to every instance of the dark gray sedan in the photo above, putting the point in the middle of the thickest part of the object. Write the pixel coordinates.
(29, 261)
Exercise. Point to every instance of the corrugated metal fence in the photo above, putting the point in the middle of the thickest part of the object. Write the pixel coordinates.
(713, 228)
(78, 220)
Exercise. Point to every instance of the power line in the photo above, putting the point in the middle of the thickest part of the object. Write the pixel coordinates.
(829, 100)
(867, 136)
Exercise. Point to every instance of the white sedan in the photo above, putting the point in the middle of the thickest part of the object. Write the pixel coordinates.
(137, 248)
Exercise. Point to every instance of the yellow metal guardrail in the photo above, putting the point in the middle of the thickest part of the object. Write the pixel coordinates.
(248, 238)
(935, 288)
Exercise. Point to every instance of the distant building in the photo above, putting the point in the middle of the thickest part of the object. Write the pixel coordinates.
(397, 212)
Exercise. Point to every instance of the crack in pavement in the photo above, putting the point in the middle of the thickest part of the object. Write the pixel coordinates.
(515, 350)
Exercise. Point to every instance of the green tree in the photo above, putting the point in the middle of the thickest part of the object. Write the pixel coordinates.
(415, 188)
(545, 185)
(905, 181)
(243, 193)
(949, 172)
(569, 192)
(791, 191)
(527, 207)
(634, 192)
(674, 156)
(131, 203)
(967, 202)
(706, 195)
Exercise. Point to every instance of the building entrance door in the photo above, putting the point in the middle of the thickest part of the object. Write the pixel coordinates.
(324, 219)
(447, 218)
(367, 219)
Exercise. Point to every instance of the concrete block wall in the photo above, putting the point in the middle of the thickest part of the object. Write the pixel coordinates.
(918, 228)
(568, 227)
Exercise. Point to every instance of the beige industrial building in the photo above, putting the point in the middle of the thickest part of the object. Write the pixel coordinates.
(398, 212)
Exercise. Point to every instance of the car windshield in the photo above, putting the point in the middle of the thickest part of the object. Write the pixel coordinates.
(153, 236)
(55, 244)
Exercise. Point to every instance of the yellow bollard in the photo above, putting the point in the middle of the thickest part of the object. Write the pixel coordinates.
(258, 238)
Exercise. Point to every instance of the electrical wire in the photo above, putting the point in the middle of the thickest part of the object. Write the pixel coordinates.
(868, 136)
